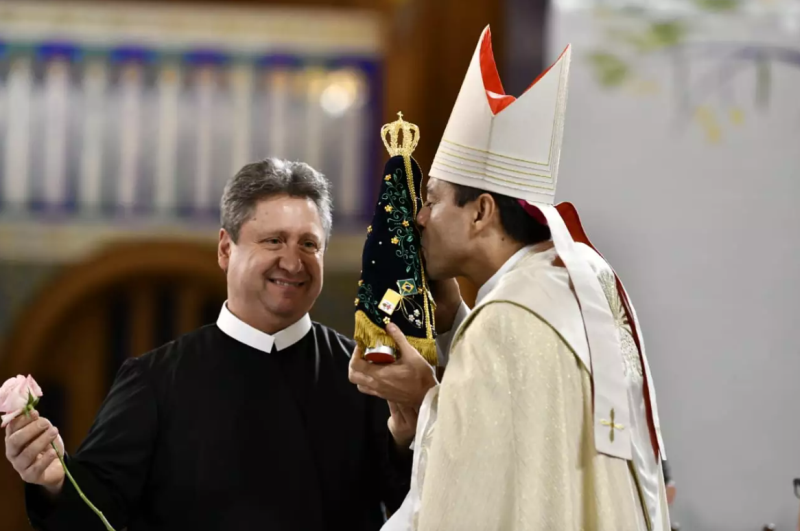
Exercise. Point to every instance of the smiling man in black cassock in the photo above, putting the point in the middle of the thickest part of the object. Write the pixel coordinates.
(249, 423)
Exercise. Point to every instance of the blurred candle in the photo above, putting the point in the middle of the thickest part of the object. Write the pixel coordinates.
(168, 93)
(91, 166)
(205, 81)
(315, 80)
(56, 96)
(130, 134)
(19, 87)
(352, 149)
(278, 99)
(242, 87)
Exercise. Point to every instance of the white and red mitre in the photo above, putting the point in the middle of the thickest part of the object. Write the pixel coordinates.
(511, 146)
(501, 144)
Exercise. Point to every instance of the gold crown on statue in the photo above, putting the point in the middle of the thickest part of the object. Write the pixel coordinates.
(410, 137)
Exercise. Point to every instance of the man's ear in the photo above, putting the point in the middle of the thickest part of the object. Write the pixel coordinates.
(224, 250)
(485, 211)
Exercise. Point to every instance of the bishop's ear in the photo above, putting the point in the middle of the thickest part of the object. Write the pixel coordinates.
(485, 211)
(224, 250)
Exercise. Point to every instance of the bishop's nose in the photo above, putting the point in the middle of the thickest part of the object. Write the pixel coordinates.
(422, 218)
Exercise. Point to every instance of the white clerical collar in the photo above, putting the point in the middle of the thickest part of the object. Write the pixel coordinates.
(252, 337)
(492, 282)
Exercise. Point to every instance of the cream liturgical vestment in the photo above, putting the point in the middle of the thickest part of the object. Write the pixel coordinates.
(546, 418)
(506, 442)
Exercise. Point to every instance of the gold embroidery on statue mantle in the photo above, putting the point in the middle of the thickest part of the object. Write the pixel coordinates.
(396, 211)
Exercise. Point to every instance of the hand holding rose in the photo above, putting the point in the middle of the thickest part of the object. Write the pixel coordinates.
(29, 449)
(30, 439)
(33, 446)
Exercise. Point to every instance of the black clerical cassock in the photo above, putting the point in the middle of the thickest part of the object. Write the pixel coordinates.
(229, 429)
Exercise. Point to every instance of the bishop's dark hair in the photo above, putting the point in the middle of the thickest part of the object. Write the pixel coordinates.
(517, 223)
(271, 177)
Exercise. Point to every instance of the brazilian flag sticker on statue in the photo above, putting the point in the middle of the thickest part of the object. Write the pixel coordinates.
(393, 288)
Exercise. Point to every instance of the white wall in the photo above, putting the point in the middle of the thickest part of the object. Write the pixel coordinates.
(703, 225)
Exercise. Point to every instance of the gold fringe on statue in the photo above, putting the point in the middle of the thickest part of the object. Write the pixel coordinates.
(368, 334)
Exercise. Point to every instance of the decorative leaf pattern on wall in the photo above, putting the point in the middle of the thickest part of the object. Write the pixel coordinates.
(633, 35)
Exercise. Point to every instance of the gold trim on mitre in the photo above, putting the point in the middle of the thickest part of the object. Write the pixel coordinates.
(409, 141)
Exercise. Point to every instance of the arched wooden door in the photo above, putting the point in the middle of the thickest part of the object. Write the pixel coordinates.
(74, 336)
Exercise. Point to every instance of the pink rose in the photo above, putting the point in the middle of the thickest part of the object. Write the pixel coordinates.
(18, 395)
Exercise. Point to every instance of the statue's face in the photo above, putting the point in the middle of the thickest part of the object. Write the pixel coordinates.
(445, 229)
(277, 265)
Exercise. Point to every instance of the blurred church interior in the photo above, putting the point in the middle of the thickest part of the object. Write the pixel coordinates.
(119, 125)
(121, 121)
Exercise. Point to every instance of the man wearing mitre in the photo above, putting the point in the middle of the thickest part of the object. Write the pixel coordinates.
(546, 416)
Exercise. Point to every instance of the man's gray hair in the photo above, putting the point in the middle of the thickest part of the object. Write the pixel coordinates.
(268, 178)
